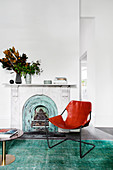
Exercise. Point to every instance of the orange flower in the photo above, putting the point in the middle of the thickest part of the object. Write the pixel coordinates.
(13, 49)
(5, 52)
(16, 54)
(14, 61)
(9, 53)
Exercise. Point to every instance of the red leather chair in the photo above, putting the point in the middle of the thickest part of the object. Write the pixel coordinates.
(78, 117)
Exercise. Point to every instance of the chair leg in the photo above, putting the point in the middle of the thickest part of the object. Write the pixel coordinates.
(48, 139)
(81, 156)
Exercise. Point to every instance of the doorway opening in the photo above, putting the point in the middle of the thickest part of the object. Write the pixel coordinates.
(83, 77)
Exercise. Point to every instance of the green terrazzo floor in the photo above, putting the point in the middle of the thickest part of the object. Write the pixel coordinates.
(35, 155)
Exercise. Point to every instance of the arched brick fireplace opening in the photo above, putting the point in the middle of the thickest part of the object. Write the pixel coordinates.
(35, 110)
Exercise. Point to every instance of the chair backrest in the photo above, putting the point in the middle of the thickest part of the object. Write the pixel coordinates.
(78, 112)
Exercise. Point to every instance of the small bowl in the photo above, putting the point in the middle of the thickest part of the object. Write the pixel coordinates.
(47, 81)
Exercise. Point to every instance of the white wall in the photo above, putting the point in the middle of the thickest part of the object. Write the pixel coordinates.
(102, 57)
(43, 29)
(87, 34)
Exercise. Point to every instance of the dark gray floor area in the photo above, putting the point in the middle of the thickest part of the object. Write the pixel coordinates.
(88, 133)
(98, 133)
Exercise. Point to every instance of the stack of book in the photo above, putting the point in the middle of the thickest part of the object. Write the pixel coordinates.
(7, 133)
(60, 80)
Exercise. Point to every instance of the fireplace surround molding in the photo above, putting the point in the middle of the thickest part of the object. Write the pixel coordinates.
(20, 93)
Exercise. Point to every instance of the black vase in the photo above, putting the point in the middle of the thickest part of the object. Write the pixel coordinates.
(18, 79)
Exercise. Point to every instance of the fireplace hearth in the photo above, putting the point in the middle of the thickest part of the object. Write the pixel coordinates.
(42, 135)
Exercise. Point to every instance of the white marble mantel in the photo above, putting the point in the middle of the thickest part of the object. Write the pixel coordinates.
(20, 93)
(40, 85)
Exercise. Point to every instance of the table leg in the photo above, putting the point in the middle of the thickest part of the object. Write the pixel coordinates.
(5, 159)
(3, 153)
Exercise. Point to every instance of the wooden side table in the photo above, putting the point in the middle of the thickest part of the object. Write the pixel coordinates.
(6, 159)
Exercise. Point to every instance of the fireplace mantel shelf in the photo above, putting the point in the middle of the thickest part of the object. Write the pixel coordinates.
(40, 85)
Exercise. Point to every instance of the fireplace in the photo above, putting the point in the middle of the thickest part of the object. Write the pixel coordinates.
(31, 101)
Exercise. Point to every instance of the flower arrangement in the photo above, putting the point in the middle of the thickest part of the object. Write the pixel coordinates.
(18, 63)
(31, 68)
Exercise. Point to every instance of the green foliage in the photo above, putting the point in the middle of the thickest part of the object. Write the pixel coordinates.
(31, 68)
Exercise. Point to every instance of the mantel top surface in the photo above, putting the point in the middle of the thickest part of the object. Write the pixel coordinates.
(39, 85)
